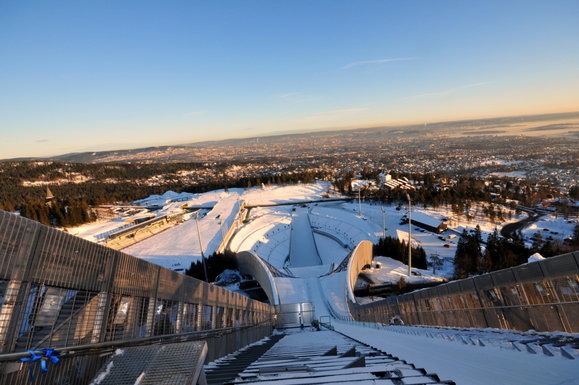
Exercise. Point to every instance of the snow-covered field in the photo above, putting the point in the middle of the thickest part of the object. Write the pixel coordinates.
(386, 270)
(338, 226)
(551, 226)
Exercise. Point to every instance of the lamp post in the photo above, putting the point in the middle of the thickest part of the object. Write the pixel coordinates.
(383, 222)
(409, 234)
(359, 202)
(405, 185)
(201, 246)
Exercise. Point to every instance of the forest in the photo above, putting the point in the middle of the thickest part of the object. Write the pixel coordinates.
(398, 250)
(108, 184)
(503, 252)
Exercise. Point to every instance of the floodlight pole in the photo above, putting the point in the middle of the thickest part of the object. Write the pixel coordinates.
(409, 234)
(201, 246)
(359, 202)
(383, 222)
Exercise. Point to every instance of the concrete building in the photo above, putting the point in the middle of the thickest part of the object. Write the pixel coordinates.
(427, 222)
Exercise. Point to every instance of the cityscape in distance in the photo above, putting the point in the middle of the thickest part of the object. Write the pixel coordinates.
(289, 193)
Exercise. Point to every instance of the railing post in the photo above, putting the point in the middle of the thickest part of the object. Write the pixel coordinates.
(7, 310)
(561, 315)
(152, 306)
(19, 293)
(104, 301)
(481, 304)
(100, 321)
(179, 319)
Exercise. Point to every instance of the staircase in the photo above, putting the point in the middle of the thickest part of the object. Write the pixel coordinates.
(314, 357)
(225, 369)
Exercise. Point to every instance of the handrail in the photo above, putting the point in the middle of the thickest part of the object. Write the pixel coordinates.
(133, 295)
(182, 337)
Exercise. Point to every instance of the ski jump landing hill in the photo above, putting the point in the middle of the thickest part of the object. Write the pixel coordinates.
(540, 296)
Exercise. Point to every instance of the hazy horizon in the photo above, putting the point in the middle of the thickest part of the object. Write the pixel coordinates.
(132, 146)
(103, 76)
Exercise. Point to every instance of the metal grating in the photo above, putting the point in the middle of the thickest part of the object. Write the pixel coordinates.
(327, 357)
(168, 364)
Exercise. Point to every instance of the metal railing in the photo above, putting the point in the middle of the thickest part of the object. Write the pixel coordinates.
(78, 365)
(59, 291)
(542, 296)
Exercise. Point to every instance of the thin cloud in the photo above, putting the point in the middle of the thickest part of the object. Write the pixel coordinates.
(445, 92)
(297, 97)
(332, 114)
(194, 113)
(377, 61)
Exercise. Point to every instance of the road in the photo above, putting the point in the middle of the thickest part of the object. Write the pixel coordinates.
(509, 229)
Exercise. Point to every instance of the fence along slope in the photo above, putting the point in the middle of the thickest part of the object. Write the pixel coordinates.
(59, 290)
(543, 296)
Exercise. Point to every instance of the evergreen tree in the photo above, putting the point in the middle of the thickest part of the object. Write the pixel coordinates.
(575, 239)
(215, 264)
(492, 253)
(463, 264)
(398, 250)
(519, 252)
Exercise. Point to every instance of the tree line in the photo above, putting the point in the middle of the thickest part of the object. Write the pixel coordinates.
(432, 190)
(398, 250)
(502, 252)
(216, 264)
(73, 202)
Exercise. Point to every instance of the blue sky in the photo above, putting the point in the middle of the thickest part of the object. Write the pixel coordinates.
(95, 75)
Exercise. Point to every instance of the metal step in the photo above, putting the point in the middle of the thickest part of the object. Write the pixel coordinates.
(328, 357)
(165, 364)
(227, 368)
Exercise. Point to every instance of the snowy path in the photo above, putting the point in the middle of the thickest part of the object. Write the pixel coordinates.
(303, 250)
(468, 364)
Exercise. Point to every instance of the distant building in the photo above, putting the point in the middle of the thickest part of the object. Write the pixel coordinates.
(50, 198)
(384, 178)
(361, 184)
(402, 183)
(427, 222)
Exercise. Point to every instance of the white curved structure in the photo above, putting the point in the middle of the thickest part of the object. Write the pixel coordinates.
(253, 265)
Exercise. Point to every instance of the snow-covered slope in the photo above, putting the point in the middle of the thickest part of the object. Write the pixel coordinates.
(338, 226)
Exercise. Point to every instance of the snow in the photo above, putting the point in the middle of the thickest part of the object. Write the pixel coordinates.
(102, 375)
(267, 234)
(359, 184)
(425, 219)
(93, 231)
(329, 249)
(303, 250)
(335, 292)
(282, 194)
(557, 227)
(468, 364)
(166, 197)
(178, 247)
(511, 174)
(535, 258)
(228, 277)
(140, 378)
(338, 225)
(499, 162)
(391, 271)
